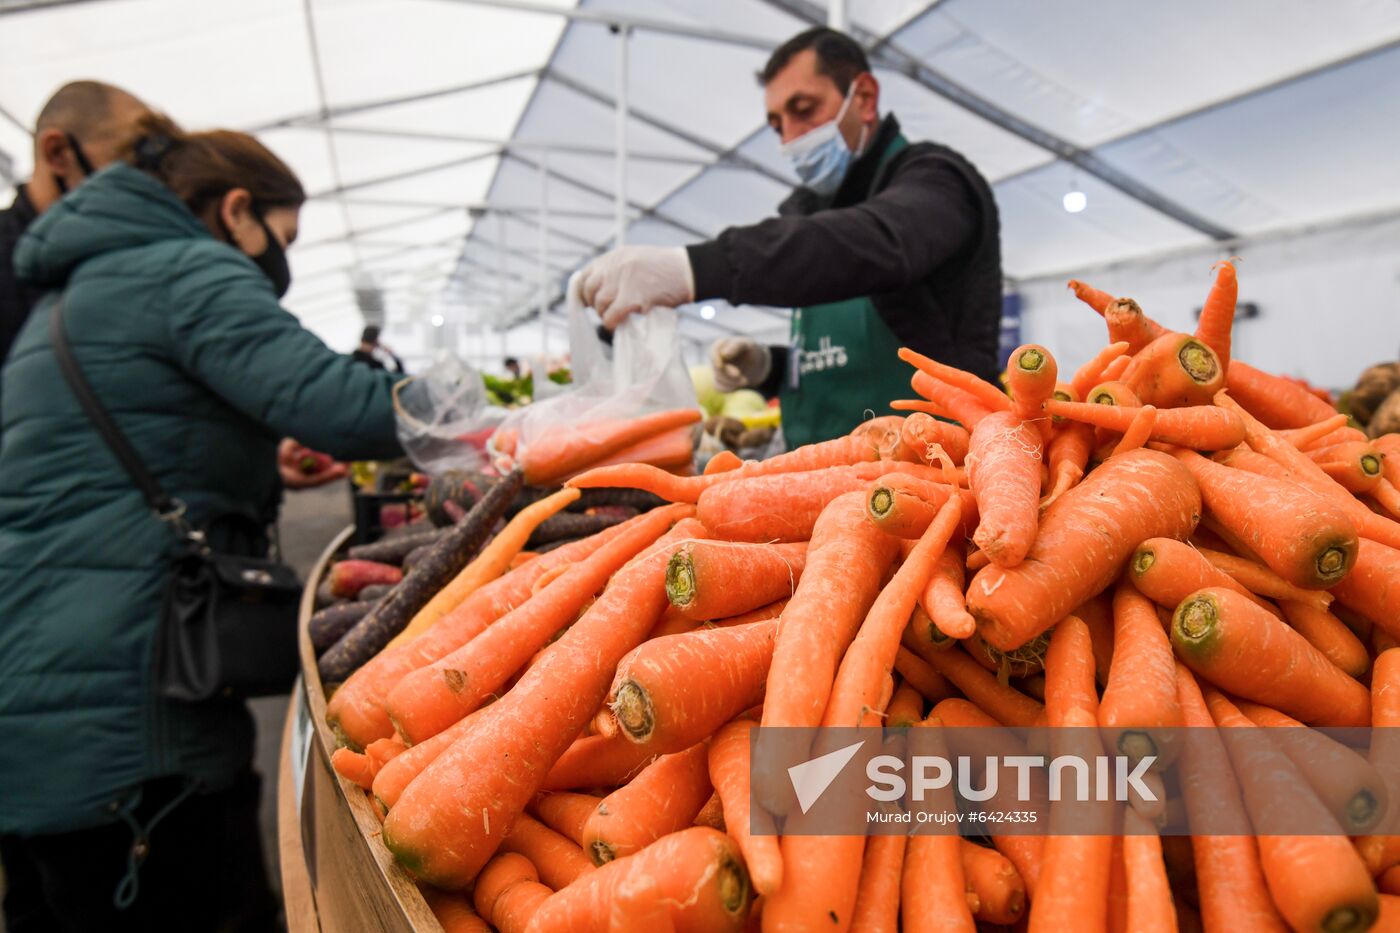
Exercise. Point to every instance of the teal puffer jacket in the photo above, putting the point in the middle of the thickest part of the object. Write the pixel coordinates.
(183, 340)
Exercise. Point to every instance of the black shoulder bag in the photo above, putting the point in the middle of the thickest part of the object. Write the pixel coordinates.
(228, 625)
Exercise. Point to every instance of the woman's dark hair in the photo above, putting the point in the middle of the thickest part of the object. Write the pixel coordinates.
(202, 167)
(839, 57)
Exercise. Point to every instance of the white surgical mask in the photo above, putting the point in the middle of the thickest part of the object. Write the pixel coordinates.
(820, 156)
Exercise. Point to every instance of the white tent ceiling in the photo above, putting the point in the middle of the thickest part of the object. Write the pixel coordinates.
(422, 126)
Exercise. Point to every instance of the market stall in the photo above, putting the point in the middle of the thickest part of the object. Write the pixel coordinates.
(570, 734)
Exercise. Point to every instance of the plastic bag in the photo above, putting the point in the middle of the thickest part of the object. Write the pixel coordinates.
(641, 372)
(444, 417)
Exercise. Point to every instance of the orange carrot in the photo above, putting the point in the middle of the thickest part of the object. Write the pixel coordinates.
(1117, 369)
(1218, 313)
(1127, 323)
(923, 433)
(509, 893)
(901, 505)
(715, 580)
(454, 912)
(871, 654)
(1381, 853)
(944, 400)
(565, 451)
(558, 860)
(673, 622)
(1072, 893)
(1084, 539)
(599, 761)
(846, 562)
(1176, 370)
(493, 560)
(1098, 300)
(1167, 571)
(1139, 712)
(1346, 783)
(1329, 635)
(699, 875)
(785, 507)
(433, 697)
(711, 814)
(1318, 882)
(476, 788)
(1139, 429)
(355, 767)
(917, 672)
(356, 710)
(665, 798)
(1324, 433)
(1373, 587)
(994, 882)
(1262, 581)
(1298, 468)
(638, 907)
(1201, 427)
(1229, 640)
(1305, 540)
(671, 692)
(1031, 376)
(942, 599)
(1092, 372)
(397, 774)
(723, 462)
(729, 764)
(566, 813)
(986, 394)
(933, 891)
(1007, 705)
(1233, 892)
(1356, 466)
(1387, 496)
(1068, 453)
(1097, 613)
(877, 896)
(1004, 473)
(1277, 402)
(1150, 907)
(773, 610)
(1389, 885)
(1069, 671)
(905, 708)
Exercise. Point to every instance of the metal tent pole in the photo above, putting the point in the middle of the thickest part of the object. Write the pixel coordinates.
(544, 256)
(621, 145)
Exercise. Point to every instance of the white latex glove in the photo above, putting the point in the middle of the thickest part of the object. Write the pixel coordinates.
(633, 279)
(739, 363)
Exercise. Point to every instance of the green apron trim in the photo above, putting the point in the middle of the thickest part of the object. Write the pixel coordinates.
(843, 364)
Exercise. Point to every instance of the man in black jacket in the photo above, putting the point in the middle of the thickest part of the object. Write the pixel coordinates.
(80, 130)
(886, 244)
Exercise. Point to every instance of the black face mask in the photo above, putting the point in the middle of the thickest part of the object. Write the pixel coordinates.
(272, 260)
(78, 156)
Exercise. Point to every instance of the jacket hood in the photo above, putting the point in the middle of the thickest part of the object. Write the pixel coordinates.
(118, 208)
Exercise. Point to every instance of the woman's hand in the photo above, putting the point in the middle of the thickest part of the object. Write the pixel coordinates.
(301, 467)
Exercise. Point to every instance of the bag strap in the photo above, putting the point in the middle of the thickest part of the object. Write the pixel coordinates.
(166, 507)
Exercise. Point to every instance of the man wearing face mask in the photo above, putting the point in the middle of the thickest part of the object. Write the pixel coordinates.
(78, 132)
(886, 244)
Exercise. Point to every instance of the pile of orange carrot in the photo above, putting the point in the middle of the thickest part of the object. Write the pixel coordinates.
(1164, 538)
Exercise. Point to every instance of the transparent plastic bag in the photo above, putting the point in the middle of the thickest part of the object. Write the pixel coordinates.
(444, 417)
(642, 372)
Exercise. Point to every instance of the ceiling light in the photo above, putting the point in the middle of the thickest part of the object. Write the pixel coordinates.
(437, 320)
(707, 312)
(1075, 201)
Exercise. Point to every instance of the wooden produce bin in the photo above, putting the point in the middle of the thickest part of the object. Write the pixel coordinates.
(336, 874)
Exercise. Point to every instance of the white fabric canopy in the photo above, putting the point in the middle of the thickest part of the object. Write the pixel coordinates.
(1261, 128)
